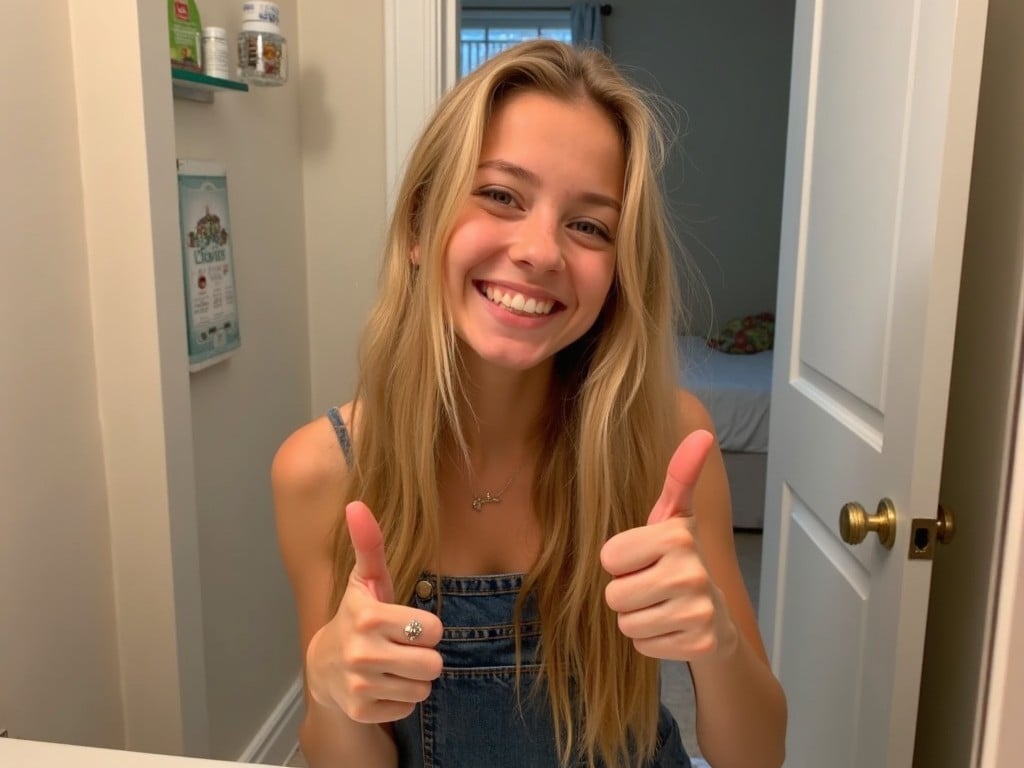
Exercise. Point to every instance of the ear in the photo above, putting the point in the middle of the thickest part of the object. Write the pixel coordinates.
(414, 255)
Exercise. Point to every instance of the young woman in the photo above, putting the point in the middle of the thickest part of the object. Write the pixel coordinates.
(518, 515)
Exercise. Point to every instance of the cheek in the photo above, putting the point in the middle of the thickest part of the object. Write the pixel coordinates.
(596, 283)
(466, 249)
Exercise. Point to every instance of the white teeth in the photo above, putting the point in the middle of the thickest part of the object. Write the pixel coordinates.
(518, 302)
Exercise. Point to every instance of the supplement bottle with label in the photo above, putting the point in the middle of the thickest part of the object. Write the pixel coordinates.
(262, 53)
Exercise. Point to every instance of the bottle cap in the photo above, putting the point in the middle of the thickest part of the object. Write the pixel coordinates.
(218, 33)
(261, 26)
(264, 13)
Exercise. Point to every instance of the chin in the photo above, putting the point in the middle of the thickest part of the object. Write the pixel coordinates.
(510, 359)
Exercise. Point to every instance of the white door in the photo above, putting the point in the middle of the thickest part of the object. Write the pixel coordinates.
(882, 110)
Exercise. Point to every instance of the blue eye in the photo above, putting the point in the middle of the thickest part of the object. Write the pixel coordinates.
(499, 196)
(591, 229)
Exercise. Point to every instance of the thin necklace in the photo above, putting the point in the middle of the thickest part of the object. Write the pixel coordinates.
(487, 497)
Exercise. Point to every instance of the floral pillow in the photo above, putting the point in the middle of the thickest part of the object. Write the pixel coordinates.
(746, 335)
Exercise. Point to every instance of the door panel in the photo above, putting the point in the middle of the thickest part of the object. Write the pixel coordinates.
(860, 57)
(825, 652)
(883, 99)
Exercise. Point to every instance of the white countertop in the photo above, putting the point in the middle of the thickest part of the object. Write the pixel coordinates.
(18, 753)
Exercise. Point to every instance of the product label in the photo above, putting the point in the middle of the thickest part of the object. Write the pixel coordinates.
(185, 29)
(206, 242)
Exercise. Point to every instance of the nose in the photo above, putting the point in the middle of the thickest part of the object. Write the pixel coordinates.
(537, 245)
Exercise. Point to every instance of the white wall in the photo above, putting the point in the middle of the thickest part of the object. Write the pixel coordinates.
(726, 64)
(58, 646)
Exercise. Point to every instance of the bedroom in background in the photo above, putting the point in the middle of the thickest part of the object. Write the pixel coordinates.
(723, 80)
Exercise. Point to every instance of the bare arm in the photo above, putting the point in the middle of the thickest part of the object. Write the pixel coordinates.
(737, 693)
(307, 476)
(678, 593)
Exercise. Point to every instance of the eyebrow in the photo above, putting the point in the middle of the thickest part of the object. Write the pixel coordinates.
(530, 177)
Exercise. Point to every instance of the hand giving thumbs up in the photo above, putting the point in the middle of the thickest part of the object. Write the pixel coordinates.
(374, 660)
(660, 587)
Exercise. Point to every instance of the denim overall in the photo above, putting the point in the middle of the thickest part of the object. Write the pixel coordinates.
(473, 717)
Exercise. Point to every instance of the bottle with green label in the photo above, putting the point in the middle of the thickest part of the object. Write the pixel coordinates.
(186, 34)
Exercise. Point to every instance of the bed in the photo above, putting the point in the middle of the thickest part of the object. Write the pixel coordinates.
(736, 390)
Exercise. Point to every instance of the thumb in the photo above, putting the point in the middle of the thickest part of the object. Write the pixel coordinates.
(371, 567)
(684, 470)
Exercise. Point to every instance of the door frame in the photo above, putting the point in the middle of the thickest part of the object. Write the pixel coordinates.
(419, 66)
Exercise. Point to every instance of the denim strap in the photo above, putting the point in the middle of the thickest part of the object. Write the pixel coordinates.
(342, 432)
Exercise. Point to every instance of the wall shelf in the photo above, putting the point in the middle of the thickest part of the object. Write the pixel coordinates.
(196, 86)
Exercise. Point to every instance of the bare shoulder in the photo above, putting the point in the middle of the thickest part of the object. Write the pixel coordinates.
(693, 415)
(308, 484)
(307, 479)
(310, 460)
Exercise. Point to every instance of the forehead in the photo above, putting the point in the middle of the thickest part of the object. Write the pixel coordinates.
(558, 138)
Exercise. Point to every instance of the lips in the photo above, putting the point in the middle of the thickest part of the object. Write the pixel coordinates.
(517, 302)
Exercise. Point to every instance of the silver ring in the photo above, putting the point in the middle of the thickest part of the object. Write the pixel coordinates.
(413, 630)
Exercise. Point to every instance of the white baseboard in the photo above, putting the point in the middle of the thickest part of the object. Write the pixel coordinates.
(277, 738)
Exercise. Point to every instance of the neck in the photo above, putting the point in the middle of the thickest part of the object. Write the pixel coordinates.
(502, 412)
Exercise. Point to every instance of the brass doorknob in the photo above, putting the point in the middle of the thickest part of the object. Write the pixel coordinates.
(855, 524)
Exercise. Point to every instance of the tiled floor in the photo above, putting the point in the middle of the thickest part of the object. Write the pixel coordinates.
(676, 687)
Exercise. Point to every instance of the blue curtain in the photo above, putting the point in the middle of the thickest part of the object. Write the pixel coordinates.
(587, 27)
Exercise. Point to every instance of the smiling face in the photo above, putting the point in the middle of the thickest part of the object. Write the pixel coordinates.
(532, 254)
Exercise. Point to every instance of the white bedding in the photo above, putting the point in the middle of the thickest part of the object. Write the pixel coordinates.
(736, 390)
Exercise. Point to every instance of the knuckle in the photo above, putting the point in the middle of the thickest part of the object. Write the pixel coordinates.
(705, 644)
(359, 712)
(611, 595)
(365, 622)
(704, 610)
(693, 580)
(423, 691)
(433, 627)
(607, 555)
(360, 655)
(360, 687)
(679, 537)
(643, 647)
(625, 625)
(434, 666)
(701, 579)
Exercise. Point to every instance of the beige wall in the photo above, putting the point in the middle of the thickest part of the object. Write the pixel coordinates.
(58, 647)
(980, 424)
(243, 408)
(342, 111)
(139, 557)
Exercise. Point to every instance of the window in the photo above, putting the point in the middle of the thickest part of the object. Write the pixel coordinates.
(486, 31)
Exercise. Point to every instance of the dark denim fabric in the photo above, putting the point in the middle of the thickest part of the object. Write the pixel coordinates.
(473, 717)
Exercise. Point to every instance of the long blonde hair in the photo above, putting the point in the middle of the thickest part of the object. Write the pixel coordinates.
(612, 424)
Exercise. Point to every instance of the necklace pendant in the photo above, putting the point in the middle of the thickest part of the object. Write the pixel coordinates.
(487, 498)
